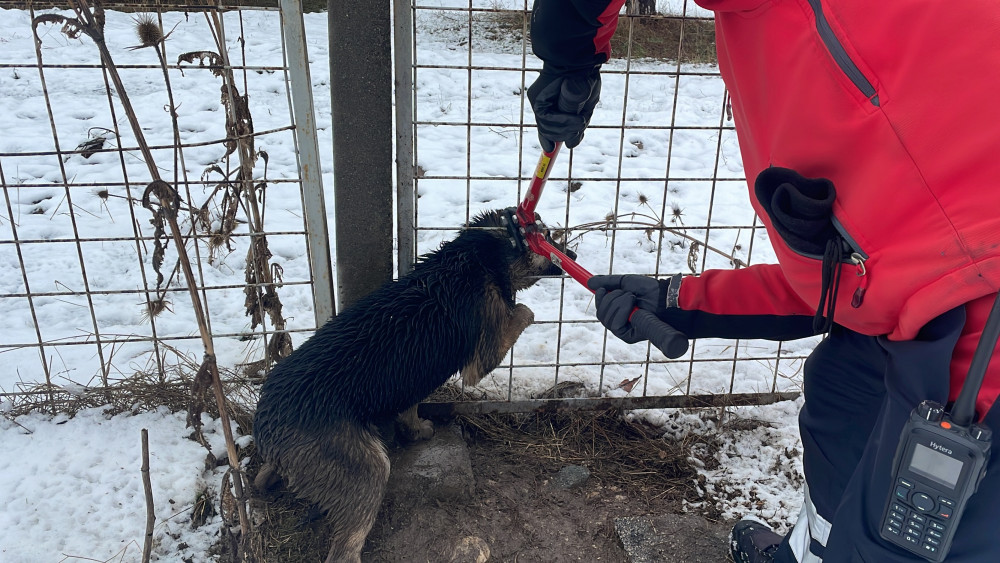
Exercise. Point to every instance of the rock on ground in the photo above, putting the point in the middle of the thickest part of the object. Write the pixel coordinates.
(672, 537)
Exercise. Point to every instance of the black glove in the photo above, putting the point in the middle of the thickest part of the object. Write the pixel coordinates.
(650, 294)
(563, 105)
(617, 312)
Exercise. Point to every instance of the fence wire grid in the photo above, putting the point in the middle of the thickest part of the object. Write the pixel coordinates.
(655, 188)
(90, 289)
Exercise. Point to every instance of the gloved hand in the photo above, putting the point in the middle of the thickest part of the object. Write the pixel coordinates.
(650, 294)
(563, 105)
(616, 309)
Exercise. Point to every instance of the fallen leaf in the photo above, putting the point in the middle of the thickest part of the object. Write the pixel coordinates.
(628, 384)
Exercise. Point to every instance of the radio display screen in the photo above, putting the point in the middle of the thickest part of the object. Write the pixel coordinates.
(935, 465)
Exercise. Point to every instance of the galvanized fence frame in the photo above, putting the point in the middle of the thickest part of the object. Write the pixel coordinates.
(165, 341)
(472, 16)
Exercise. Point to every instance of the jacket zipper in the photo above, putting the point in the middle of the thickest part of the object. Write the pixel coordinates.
(852, 251)
(839, 54)
(856, 257)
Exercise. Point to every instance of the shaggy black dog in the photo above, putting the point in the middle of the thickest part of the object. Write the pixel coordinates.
(316, 420)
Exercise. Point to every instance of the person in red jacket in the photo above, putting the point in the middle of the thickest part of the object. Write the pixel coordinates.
(868, 138)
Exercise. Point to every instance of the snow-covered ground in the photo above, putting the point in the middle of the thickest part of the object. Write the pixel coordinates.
(72, 486)
(73, 491)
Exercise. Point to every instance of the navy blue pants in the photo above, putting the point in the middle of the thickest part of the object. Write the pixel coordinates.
(859, 392)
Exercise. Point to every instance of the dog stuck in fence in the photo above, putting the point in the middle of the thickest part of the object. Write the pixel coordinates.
(317, 417)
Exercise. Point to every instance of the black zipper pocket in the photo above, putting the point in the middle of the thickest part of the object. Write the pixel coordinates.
(840, 56)
(851, 253)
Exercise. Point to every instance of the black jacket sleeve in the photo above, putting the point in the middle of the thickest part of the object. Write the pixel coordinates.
(573, 35)
(699, 324)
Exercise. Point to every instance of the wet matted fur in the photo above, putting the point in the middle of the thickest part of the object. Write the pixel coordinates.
(316, 419)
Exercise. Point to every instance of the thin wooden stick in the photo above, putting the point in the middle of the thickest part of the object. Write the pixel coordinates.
(147, 546)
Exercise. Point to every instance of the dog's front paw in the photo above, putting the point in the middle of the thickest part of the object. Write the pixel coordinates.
(523, 315)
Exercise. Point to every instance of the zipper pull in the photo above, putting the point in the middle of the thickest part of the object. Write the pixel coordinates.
(859, 294)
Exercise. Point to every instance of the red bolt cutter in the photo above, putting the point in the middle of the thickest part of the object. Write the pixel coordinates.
(526, 231)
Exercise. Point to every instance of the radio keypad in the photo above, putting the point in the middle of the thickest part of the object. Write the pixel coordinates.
(908, 520)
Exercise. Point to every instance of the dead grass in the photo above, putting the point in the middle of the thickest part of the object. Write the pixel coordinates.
(502, 23)
(670, 38)
(658, 37)
(140, 392)
(286, 529)
(631, 455)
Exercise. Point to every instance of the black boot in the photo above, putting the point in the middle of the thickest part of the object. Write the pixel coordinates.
(753, 542)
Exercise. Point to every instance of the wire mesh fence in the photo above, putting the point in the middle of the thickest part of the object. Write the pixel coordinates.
(110, 135)
(92, 291)
(655, 188)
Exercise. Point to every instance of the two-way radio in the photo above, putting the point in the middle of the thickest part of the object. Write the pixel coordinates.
(939, 463)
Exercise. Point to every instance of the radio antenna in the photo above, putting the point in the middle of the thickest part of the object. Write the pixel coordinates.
(963, 412)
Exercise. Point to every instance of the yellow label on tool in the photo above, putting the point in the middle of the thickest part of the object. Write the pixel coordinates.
(543, 166)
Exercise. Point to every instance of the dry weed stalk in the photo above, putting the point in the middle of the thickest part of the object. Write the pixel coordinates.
(241, 191)
(147, 486)
(90, 22)
(651, 224)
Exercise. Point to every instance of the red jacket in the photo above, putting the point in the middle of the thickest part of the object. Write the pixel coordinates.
(894, 103)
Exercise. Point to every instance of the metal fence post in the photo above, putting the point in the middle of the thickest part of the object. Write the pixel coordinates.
(361, 89)
(405, 194)
(313, 201)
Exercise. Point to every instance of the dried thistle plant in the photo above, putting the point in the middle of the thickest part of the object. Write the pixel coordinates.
(156, 306)
(651, 224)
(242, 192)
(90, 22)
(148, 31)
(676, 214)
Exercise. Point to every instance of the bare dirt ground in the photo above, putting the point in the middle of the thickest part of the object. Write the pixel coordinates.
(497, 488)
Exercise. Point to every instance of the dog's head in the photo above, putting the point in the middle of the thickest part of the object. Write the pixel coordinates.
(525, 265)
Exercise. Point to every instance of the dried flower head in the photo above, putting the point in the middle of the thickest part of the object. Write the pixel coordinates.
(676, 214)
(217, 239)
(156, 306)
(147, 29)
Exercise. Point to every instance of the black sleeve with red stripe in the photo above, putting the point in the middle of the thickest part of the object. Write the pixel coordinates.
(573, 35)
